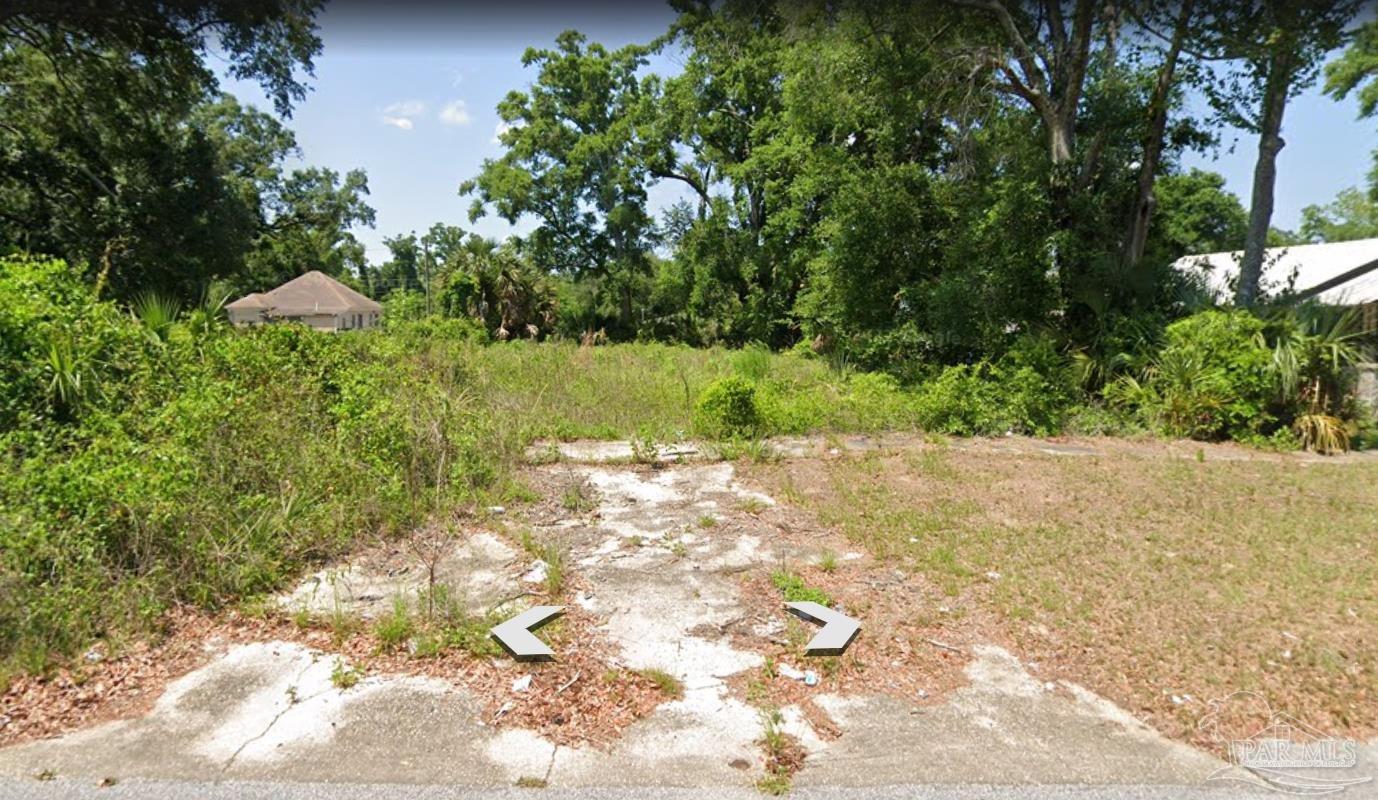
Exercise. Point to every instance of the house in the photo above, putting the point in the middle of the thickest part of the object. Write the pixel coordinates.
(1341, 274)
(313, 299)
(1336, 273)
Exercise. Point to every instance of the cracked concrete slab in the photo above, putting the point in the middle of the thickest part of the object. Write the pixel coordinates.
(1004, 727)
(269, 711)
(479, 571)
(665, 590)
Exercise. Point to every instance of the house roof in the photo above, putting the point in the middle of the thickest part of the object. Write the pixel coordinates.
(311, 293)
(253, 300)
(1338, 273)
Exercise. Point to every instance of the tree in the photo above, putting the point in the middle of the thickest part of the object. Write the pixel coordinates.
(263, 40)
(1277, 47)
(401, 272)
(106, 156)
(1043, 60)
(1357, 69)
(719, 128)
(495, 286)
(306, 226)
(1196, 215)
(1351, 215)
(1159, 106)
(570, 162)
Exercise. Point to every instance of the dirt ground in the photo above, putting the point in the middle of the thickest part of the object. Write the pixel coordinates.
(1164, 576)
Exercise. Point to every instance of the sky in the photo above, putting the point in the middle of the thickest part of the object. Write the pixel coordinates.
(411, 96)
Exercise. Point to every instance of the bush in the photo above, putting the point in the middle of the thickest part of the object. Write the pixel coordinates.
(962, 401)
(1213, 379)
(202, 467)
(1036, 386)
(727, 409)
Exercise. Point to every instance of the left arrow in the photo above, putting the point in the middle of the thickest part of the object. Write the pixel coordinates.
(515, 634)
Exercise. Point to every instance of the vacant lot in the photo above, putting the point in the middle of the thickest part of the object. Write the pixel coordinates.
(1159, 581)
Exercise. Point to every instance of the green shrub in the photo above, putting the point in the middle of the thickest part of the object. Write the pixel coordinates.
(203, 464)
(962, 401)
(1036, 387)
(876, 402)
(1213, 379)
(727, 409)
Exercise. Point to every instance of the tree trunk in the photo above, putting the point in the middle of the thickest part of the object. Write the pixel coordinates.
(1270, 143)
(1059, 142)
(1145, 203)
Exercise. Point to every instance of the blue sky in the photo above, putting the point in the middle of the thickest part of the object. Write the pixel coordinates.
(411, 99)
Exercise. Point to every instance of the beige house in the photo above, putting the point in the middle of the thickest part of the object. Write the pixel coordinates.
(313, 299)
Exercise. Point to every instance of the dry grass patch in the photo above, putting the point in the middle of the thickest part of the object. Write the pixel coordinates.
(1159, 582)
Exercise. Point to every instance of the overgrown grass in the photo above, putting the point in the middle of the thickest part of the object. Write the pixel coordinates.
(146, 463)
(649, 391)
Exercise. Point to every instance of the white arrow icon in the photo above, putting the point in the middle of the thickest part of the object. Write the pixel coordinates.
(515, 634)
(838, 630)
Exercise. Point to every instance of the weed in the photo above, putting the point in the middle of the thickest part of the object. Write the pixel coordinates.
(576, 497)
(342, 626)
(554, 558)
(707, 521)
(554, 571)
(774, 784)
(753, 505)
(343, 676)
(394, 627)
(783, 755)
(645, 449)
(827, 561)
(470, 634)
(795, 590)
(668, 684)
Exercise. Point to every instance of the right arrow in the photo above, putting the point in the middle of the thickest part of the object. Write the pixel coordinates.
(515, 634)
(838, 630)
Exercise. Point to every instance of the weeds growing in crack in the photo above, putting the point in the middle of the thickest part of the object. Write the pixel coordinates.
(343, 676)
(784, 755)
(668, 684)
(554, 558)
(577, 497)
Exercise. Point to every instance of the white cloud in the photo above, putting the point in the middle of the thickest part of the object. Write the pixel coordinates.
(454, 113)
(406, 108)
(400, 114)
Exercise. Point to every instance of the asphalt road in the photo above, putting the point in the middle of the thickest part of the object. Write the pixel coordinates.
(236, 790)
